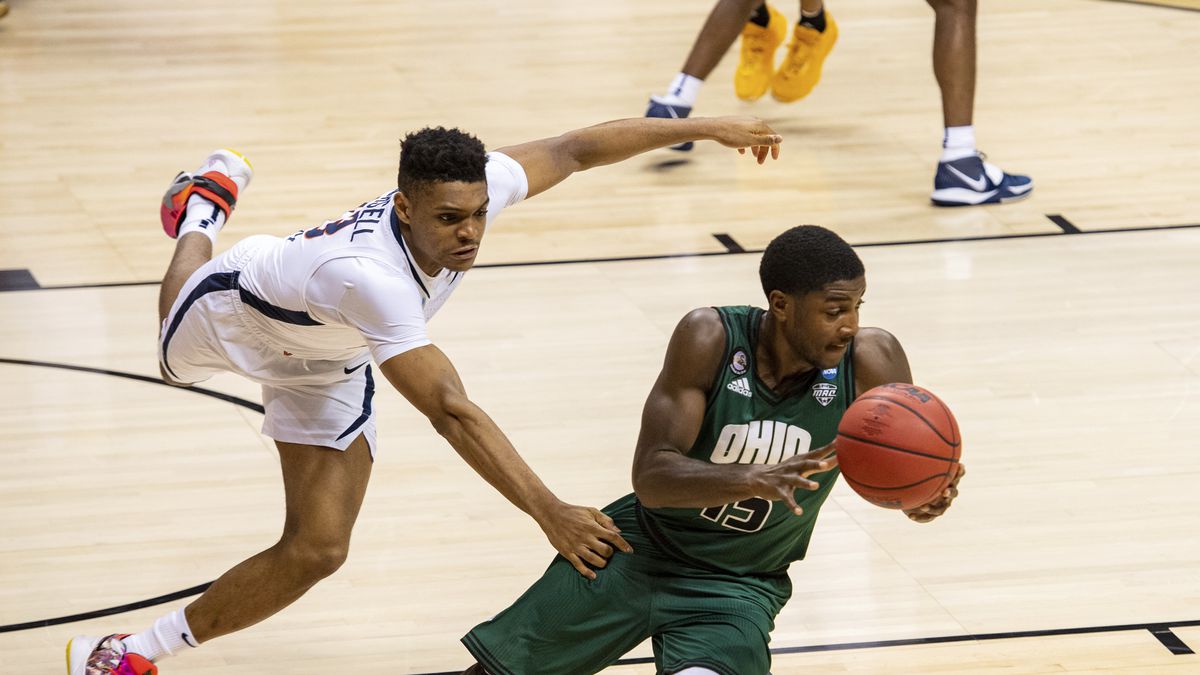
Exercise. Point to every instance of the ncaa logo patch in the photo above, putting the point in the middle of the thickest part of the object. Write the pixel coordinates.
(738, 363)
(829, 373)
(824, 392)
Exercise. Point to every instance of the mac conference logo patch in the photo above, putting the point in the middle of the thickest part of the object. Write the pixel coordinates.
(738, 363)
(824, 392)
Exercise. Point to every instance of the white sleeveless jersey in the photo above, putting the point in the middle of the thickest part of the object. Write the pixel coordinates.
(329, 292)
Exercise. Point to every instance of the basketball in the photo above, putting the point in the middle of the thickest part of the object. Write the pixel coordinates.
(898, 446)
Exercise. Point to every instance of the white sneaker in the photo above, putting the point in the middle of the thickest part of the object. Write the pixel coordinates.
(220, 179)
(87, 655)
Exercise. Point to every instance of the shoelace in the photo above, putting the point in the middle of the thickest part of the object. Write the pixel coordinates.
(798, 53)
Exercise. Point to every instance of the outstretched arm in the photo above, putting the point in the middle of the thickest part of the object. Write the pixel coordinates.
(663, 475)
(548, 161)
(879, 359)
(429, 381)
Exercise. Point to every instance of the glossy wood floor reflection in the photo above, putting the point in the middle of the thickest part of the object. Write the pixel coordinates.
(1072, 362)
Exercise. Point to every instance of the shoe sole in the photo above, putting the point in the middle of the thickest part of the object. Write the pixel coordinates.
(70, 644)
(965, 197)
(232, 156)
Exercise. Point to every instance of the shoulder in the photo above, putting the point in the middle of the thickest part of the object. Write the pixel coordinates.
(697, 345)
(367, 278)
(879, 359)
(507, 181)
(702, 328)
(874, 345)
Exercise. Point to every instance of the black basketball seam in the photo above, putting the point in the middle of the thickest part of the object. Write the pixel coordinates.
(953, 422)
(892, 447)
(953, 444)
(898, 487)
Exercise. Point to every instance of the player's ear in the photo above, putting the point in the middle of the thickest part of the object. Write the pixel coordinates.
(778, 303)
(403, 207)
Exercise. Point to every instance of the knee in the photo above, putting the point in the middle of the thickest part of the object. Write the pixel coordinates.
(313, 560)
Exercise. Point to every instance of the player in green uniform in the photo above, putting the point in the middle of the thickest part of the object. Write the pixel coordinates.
(727, 483)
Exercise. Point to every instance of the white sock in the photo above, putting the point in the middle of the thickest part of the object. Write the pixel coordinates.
(206, 217)
(958, 142)
(684, 89)
(202, 216)
(166, 637)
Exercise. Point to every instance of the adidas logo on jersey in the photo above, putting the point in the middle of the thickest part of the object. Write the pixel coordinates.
(740, 386)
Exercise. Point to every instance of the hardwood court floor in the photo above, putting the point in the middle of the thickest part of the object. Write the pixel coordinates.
(1072, 362)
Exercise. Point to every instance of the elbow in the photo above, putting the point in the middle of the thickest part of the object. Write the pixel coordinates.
(646, 492)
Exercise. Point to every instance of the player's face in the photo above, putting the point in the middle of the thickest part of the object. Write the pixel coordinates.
(822, 323)
(443, 223)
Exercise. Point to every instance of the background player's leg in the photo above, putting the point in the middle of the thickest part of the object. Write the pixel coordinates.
(954, 58)
(723, 26)
(324, 489)
(963, 178)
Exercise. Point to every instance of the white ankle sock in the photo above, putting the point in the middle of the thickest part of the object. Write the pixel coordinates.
(166, 637)
(684, 89)
(958, 142)
(202, 216)
(206, 217)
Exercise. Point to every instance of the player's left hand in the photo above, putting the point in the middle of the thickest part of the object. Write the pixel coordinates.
(585, 536)
(935, 508)
(748, 132)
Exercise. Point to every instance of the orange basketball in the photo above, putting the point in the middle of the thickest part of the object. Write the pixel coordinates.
(898, 446)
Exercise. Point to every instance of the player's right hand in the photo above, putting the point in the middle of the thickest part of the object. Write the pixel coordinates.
(779, 482)
(744, 132)
(584, 536)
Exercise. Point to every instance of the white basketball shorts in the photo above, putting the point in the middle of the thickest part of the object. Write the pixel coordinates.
(323, 403)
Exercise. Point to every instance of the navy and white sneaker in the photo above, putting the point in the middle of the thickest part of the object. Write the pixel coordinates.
(972, 180)
(664, 108)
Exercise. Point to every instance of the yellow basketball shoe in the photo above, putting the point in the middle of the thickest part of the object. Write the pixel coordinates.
(753, 74)
(801, 67)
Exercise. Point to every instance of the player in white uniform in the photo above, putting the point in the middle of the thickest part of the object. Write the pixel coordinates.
(304, 315)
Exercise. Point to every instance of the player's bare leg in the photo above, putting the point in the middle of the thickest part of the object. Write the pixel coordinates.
(954, 58)
(191, 251)
(723, 26)
(324, 489)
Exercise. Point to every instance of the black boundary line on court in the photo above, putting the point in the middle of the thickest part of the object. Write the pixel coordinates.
(1063, 225)
(1154, 628)
(1152, 3)
(729, 243)
(1160, 630)
(140, 378)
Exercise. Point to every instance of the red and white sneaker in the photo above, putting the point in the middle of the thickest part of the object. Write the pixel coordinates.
(222, 176)
(87, 655)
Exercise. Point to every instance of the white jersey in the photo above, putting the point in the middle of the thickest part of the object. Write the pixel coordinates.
(328, 292)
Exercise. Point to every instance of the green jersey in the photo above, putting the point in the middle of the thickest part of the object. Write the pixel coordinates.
(747, 423)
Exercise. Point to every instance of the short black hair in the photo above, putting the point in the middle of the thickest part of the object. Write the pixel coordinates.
(805, 259)
(439, 155)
